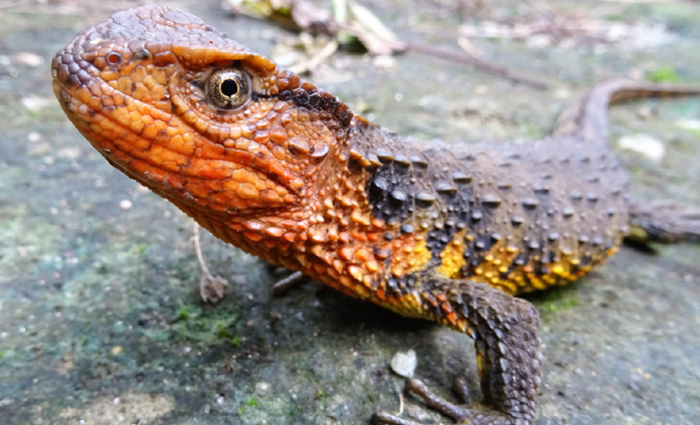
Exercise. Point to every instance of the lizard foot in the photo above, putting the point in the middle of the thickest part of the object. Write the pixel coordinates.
(467, 413)
(211, 288)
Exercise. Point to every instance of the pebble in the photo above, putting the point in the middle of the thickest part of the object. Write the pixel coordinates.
(644, 144)
(404, 364)
(262, 388)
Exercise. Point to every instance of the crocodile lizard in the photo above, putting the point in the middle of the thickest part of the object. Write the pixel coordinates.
(283, 170)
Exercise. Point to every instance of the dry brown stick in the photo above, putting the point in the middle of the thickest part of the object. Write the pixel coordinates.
(17, 4)
(493, 68)
(211, 288)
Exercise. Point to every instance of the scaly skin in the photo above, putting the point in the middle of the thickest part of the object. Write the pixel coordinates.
(294, 177)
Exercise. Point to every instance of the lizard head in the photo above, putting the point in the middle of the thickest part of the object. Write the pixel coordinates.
(197, 117)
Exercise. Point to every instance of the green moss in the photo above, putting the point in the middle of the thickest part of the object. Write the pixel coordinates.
(222, 330)
(183, 314)
(663, 75)
(557, 301)
(252, 402)
(209, 327)
(236, 341)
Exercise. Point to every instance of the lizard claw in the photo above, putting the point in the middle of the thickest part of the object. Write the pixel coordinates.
(211, 288)
(465, 414)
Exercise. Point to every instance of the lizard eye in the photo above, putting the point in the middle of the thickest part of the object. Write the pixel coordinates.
(228, 88)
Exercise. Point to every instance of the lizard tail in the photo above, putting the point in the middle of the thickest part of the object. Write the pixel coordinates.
(586, 118)
(664, 222)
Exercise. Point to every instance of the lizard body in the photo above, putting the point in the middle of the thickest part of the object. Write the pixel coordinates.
(271, 164)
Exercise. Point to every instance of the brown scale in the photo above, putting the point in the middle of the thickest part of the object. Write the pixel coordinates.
(272, 165)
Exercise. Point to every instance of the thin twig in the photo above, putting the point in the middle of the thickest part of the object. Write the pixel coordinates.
(317, 59)
(211, 288)
(198, 250)
(284, 285)
(493, 68)
(17, 4)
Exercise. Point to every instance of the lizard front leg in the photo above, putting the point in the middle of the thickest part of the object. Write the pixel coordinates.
(508, 356)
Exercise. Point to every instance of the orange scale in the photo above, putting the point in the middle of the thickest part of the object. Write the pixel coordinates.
(359, 236)
(213, 185)
(260, 184)
(158, 174)
(249, 192)
(253, 225)
(446, 307)
(140, 166)
(237, 203)
(317, 250)
(346, 253)
(253, 236)
(332, 234)
(230, 185)
(275, 232)
(269, 196)
(356, 272)
(218, 207)
(196, 190)
(372, 266)
(362, 255)
(338, 265)
(332, 273)
(210, 173)
(175, 181)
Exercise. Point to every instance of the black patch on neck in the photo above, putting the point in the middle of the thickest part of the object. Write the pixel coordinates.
(318, 100)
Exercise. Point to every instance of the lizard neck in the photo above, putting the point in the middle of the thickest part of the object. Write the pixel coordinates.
(334, 234)
(331, 210)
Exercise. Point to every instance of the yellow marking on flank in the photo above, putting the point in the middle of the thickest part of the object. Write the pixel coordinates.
(453, 257)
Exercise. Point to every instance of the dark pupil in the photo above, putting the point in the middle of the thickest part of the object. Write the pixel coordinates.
(229, 88)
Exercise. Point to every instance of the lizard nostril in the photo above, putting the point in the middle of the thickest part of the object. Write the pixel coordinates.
(114, 58)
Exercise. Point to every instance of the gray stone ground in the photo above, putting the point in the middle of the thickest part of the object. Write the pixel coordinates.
(100, 317)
